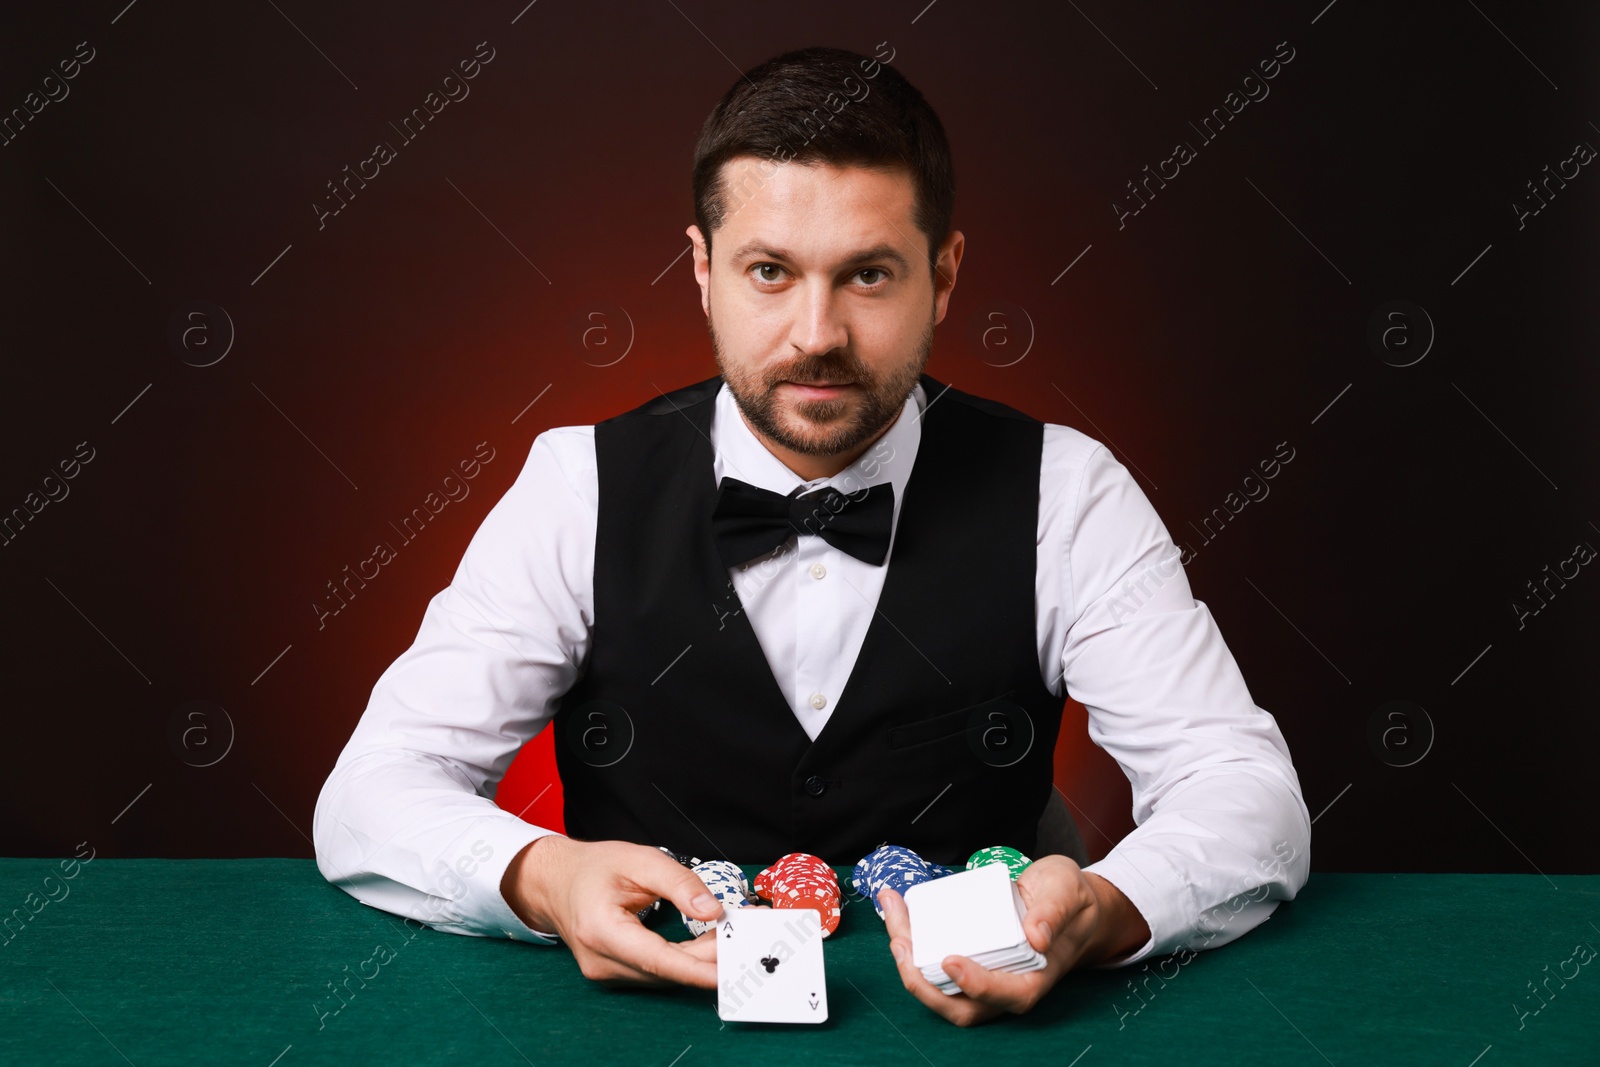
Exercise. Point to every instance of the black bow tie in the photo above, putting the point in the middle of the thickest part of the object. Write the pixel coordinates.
(749, 521)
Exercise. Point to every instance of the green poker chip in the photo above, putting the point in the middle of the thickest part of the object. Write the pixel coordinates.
(1014, 861)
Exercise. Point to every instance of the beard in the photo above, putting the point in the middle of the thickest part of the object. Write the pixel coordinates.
(825, 427)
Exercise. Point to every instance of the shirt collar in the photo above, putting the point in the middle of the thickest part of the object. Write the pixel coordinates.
(739, 453)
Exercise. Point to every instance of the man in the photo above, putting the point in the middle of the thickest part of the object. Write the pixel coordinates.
(854, 677)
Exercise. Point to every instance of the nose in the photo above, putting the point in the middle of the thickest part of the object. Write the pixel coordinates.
(818, 326)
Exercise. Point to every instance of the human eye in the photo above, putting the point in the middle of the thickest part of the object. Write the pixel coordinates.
(761, 268)
(881, 277)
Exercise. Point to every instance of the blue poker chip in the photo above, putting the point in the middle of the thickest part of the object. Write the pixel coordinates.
(895, 867)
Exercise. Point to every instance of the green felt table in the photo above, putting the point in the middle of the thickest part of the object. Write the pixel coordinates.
(229, 961)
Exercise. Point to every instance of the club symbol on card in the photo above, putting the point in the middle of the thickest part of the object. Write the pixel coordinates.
(770, 963)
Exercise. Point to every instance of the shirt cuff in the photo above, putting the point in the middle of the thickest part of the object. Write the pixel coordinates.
(1158, 890)
(479, 907)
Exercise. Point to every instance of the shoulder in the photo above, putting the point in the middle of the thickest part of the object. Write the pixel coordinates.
(672, 403)
(567, 445)
(562, 455)
(938, 392)
(1066, 450)
(1070, 452)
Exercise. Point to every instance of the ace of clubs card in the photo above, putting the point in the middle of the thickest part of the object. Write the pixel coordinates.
(769, 966)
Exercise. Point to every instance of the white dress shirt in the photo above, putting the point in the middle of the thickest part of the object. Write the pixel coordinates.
(406, 822)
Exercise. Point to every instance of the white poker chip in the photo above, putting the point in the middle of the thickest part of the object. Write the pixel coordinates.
(727, 883)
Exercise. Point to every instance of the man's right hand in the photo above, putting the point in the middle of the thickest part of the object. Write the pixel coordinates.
(590, 892)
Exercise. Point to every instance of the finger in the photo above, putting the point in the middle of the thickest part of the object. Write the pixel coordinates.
(654, 960)
(999, 990)
(898, 922)
(1053, 895)
(703, 947)
(895, 917)
(660, 874)
(961, 1010)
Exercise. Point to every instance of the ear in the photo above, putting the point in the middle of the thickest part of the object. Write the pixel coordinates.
(702, 268)
(944, 272)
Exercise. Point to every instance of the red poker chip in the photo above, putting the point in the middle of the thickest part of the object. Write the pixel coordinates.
(820, 892)
(827, 910)
(804, 890)
(802, 878)
(807, 867)
(801, 871)
(794, 870)
(806, 864)
(801, 856)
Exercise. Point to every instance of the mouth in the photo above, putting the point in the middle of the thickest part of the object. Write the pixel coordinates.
(817, 390)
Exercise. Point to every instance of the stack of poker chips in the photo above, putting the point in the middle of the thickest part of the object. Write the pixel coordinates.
(801, 880)
(1010, 858)
(727, 884)
(892, 867)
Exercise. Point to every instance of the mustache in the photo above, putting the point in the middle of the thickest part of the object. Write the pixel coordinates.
(820, 372)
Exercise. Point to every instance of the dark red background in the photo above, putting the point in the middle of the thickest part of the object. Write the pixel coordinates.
(408, 330)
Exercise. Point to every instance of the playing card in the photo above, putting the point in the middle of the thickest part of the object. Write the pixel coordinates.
(977, 914)
(769, 966)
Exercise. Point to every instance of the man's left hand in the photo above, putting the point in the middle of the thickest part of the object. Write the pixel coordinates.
(1075, 918)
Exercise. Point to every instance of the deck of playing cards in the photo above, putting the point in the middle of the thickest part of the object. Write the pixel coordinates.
(769, 966)
(977, 914)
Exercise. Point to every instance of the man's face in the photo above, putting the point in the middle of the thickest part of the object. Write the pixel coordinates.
(821, 276)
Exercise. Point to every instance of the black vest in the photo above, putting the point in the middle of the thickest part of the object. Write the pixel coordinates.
(677, 734)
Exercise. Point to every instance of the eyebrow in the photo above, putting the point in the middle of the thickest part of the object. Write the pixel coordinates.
(758, 250)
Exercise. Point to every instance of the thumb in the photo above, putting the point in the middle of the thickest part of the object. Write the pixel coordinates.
(685, 889)
(1046, 914)
(1041, 935)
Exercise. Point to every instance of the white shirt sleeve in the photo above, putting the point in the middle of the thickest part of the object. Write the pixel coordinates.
(406, 822)
(1222, 832)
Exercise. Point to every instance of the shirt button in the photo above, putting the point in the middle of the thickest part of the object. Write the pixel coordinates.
(818, 570)
(816, 786)
(819, 701)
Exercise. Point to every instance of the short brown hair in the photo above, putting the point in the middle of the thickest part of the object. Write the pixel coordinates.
(827, 105)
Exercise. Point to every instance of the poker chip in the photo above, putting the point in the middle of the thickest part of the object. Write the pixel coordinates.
(682, 858)
(801, 880)
(1014, 861)
(726, 882)
(892, 867)
(795, 863)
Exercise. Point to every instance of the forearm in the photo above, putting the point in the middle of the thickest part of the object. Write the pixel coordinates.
(399, 831)
(1213, 860)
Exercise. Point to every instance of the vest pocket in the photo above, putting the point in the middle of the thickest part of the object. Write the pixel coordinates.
(999, 731)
